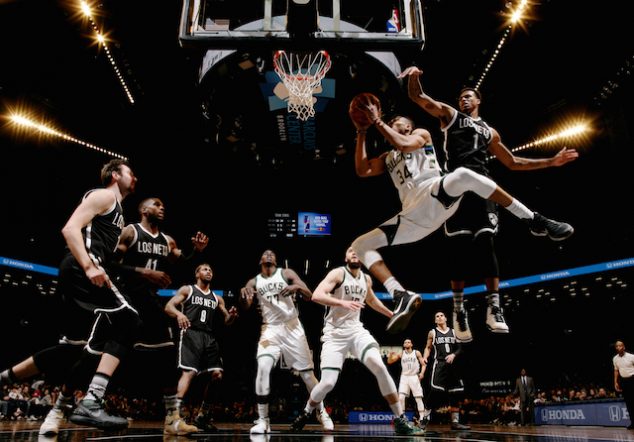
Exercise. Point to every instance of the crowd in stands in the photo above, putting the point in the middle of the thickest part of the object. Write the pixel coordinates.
(31, 401)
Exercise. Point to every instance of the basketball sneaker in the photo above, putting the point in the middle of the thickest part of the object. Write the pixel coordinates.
(91, 412)
(405, 427)
(175, 425)
(461, 326)
(205, 423)
(406, 305)
(51, 424)
(420, 423)
(326, 422)
(556, 230)
(262, 426)
(300, 421)
(459, 426)
(495, 319)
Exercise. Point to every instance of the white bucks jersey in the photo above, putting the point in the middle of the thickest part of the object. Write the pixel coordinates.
(351, 289)
(409, 363)
(275, 308)
(409, 169)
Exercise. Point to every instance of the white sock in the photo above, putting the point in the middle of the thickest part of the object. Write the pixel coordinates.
(263, 411)
(396, 408)
(392, 284)
(519, 210)
(98, 386)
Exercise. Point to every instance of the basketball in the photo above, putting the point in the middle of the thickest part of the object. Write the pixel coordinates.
(358, 103)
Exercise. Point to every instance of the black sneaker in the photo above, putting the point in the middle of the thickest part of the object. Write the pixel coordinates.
(300, 421)
(459, 426)
(205, 423)
(92, 413)
(406, 305)
(556, 230)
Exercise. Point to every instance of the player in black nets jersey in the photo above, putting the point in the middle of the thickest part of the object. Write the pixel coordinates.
(198, 350)
(468, 142)
(446, 384)
(147, 255)
(94, 314)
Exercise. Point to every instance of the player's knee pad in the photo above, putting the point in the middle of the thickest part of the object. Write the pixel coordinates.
(367, 244)
(263, 376)
(463, 180)
(326, 385)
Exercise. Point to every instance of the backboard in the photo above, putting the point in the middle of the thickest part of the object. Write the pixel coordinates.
(376, 25)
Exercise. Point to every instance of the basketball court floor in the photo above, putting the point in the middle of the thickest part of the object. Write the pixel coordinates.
(152, 431)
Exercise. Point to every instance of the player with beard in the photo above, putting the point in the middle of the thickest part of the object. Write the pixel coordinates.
(345, 291)
(427, 197)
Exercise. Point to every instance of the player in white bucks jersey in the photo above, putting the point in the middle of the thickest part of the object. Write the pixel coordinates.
(468, 142)
(282, 334)
(194, 306)
(345, 291)
(412, 372)
(428, 199)
(446, 384)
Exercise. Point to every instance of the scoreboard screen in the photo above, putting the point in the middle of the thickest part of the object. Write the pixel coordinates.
(313, 224)
(293, 224)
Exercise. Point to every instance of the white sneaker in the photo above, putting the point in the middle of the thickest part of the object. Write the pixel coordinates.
(495, 320)
(262, 426)
(461, 326)
(326, 422)
(50, 425)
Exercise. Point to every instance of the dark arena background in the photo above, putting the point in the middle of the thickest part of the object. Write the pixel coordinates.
(202, 123)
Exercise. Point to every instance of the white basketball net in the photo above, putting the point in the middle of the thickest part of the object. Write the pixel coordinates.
(301, 74)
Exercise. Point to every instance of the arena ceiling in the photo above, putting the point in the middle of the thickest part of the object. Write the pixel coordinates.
(212, 151)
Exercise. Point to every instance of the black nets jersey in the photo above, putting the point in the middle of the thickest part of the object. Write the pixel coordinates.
(199, 307)
(466, 143)
(149, 251)
(101, 236)
(444, 343)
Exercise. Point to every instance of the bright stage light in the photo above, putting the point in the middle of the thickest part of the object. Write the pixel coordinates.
(25, 122)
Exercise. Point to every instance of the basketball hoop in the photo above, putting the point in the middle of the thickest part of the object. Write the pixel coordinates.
(301, 74)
